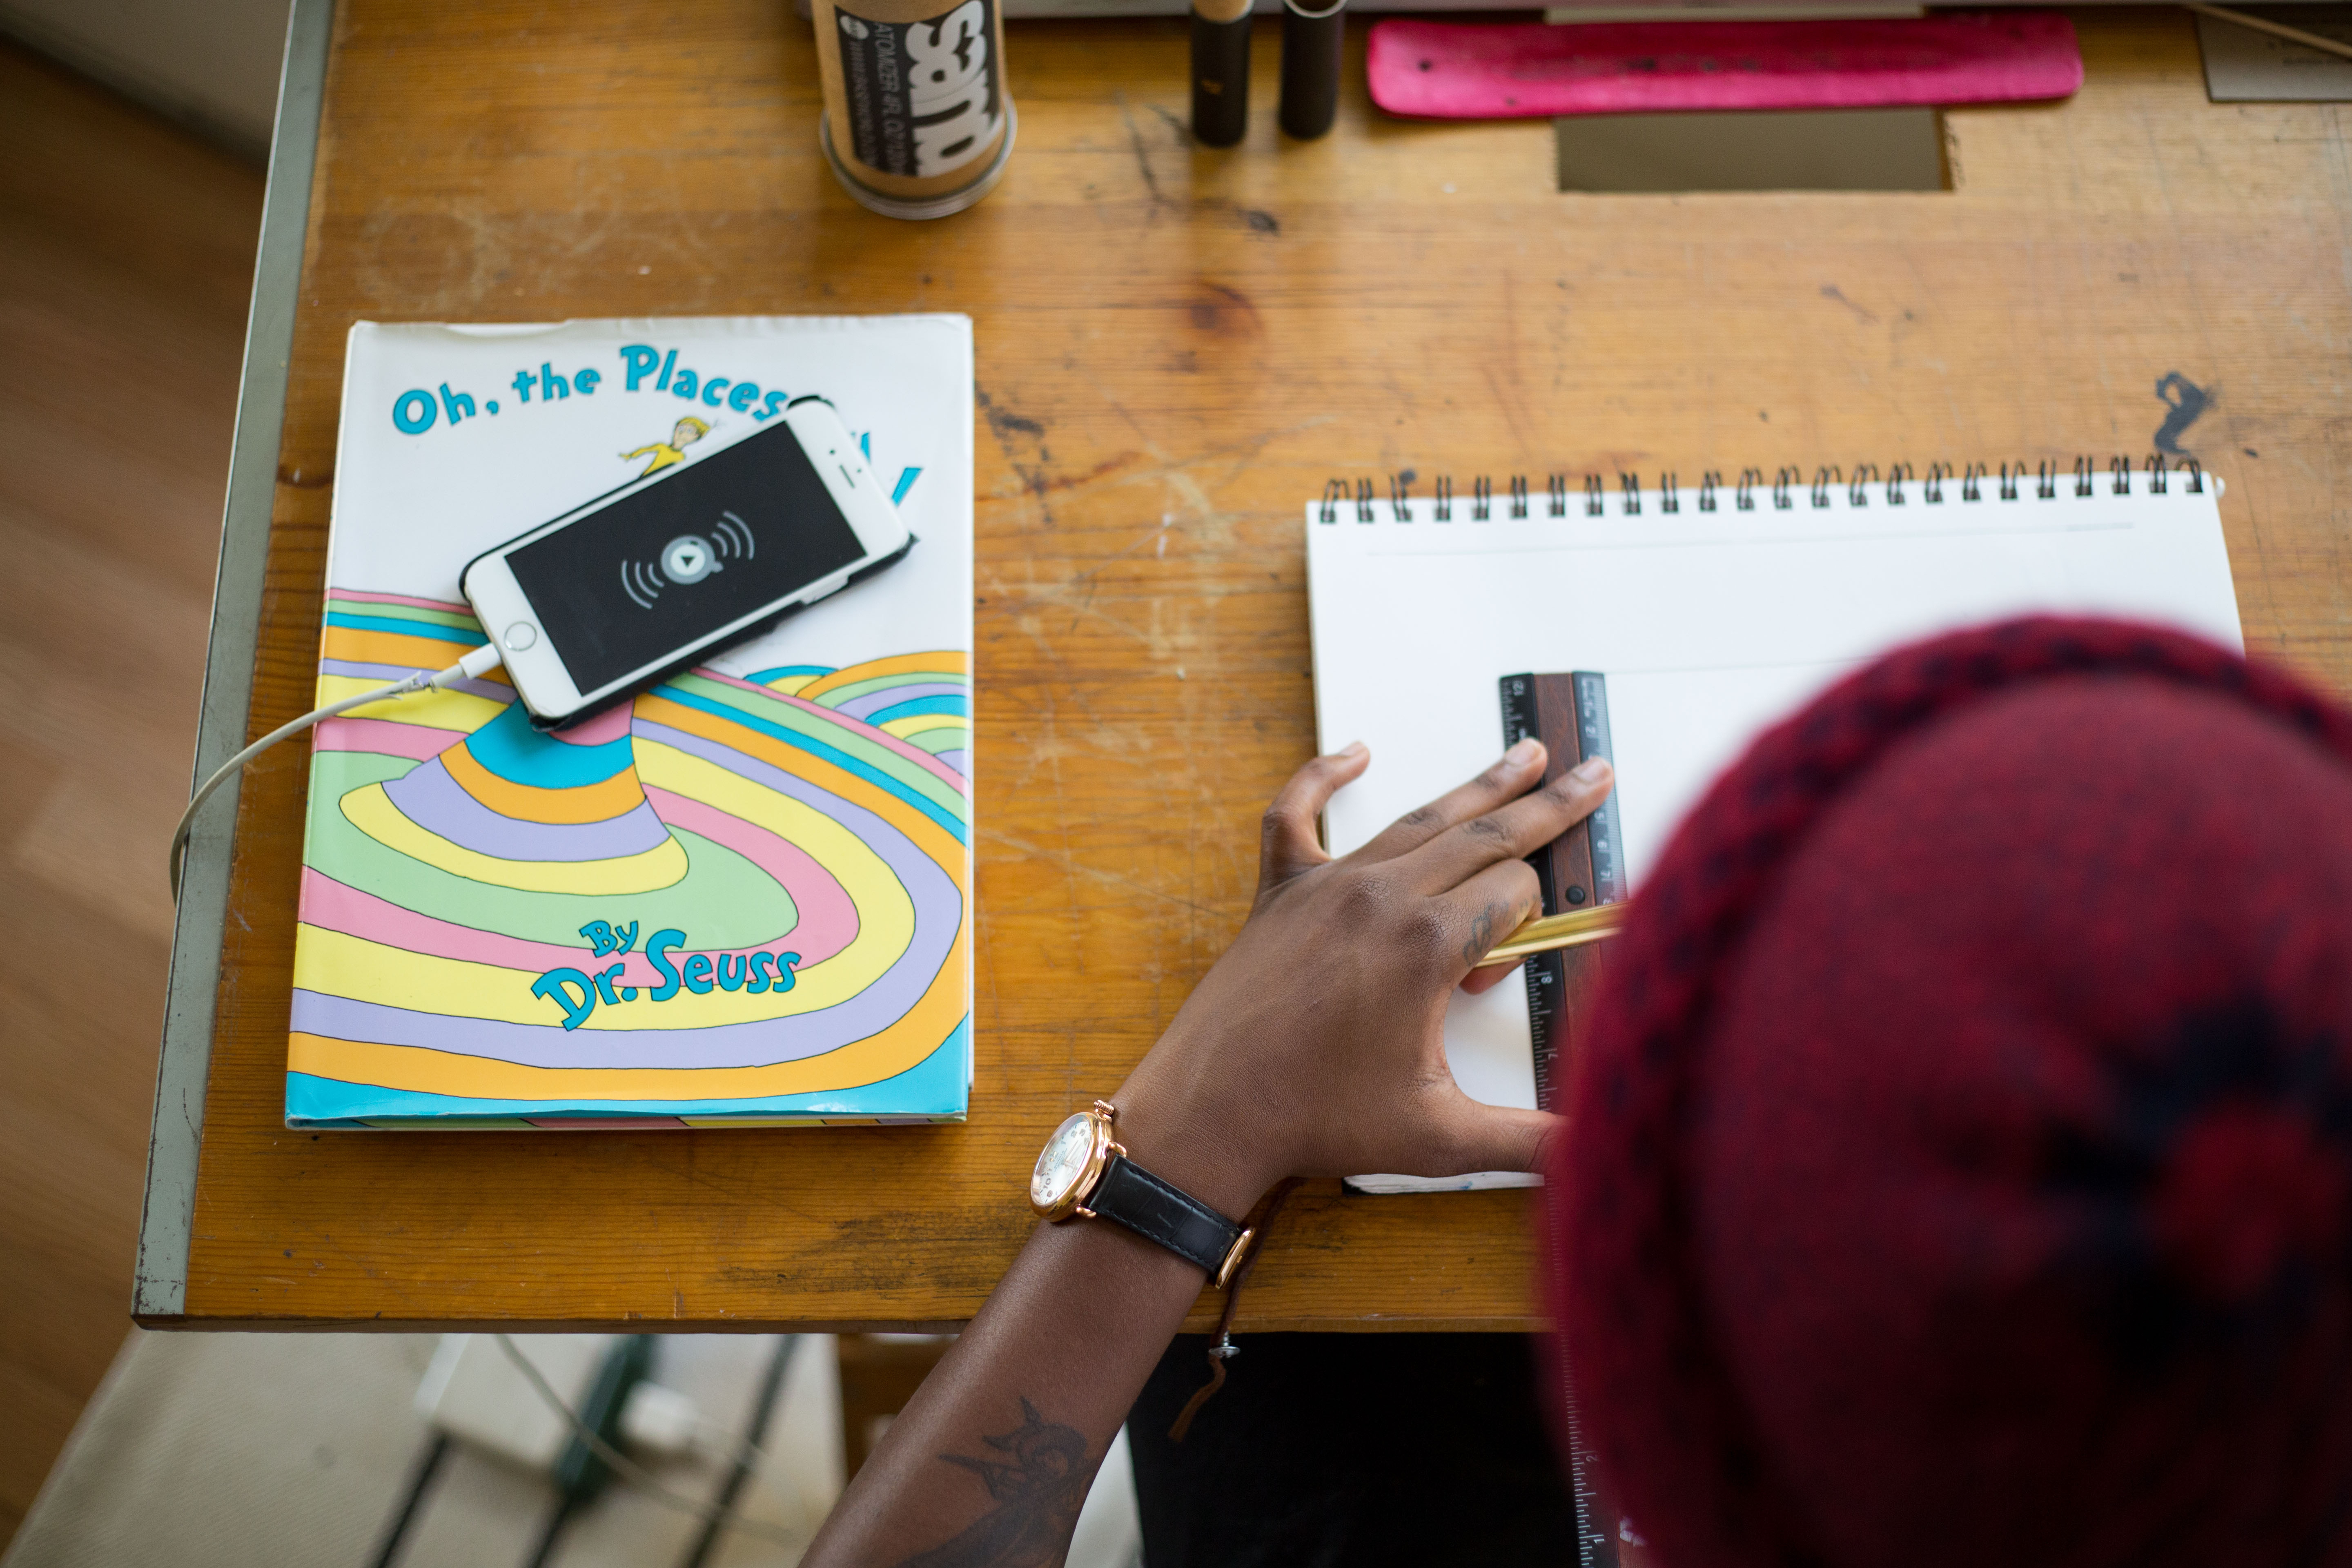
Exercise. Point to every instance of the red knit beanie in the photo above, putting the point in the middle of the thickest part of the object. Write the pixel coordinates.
(1960, 1168)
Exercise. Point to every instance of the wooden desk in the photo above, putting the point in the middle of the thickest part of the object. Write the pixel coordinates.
(1176, 348)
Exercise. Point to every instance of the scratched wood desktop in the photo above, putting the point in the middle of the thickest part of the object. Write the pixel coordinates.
(1175, 348)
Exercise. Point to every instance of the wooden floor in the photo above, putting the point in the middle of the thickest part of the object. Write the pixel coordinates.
(126, 255)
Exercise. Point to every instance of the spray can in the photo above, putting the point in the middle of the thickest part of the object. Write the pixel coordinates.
(918, 123)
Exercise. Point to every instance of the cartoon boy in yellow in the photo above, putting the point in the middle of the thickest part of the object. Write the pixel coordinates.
(687, 432)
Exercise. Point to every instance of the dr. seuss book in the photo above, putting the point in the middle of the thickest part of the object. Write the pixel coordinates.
(741, 898)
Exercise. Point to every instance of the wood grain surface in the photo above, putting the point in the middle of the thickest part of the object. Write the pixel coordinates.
(122, 296)
(1175, 348)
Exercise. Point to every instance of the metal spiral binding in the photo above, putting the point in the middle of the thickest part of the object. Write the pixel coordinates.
(1857, 483)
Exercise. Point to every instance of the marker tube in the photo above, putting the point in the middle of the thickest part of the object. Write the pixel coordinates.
(1311, 37)
(1220, 66)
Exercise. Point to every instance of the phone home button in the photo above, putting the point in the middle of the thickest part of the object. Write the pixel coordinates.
(521, 635)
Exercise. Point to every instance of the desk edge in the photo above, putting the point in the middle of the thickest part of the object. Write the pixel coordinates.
(159, 1285)
(1203, 1319)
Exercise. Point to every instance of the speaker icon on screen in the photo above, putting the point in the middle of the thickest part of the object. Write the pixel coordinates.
(731, 537)
(642, 584)
(688, 559)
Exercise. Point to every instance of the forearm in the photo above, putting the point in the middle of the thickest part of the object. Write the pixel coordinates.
(990, 1461)
(1316, 1045)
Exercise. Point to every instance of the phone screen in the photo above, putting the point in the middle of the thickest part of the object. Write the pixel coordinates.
(639, 579)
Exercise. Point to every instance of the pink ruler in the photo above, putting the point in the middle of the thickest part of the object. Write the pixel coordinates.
(1446, 70)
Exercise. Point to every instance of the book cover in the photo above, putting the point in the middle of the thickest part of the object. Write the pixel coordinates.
(741, 898)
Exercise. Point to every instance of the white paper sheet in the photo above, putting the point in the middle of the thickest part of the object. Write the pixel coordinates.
(1709, 625)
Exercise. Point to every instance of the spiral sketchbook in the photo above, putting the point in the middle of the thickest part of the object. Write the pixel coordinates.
(741, 898)
(1702, 615)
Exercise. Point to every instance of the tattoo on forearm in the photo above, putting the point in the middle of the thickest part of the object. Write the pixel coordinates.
(1039, 1481)
(1481, 933)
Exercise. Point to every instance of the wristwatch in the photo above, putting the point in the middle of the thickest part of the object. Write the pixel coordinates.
(1084, 1174)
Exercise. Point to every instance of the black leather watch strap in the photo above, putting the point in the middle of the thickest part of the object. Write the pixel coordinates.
(1134, 1198)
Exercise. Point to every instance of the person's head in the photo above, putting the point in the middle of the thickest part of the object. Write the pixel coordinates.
(1960, 1167)
(688, 431)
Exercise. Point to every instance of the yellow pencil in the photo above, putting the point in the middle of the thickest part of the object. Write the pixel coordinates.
(1546, 932)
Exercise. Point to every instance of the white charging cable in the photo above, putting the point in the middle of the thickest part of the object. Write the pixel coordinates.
(473, 666)
(637, 1475)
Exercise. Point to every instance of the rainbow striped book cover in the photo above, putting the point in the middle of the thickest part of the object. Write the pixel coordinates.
(740, 900)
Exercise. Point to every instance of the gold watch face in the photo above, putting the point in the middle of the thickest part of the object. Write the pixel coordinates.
(1072, 1157)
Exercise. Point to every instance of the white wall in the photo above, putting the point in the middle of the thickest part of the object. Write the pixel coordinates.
(212, 64)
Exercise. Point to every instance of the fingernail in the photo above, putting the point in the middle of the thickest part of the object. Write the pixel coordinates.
(1524, 752)
(1352, 749)
(1593, 770)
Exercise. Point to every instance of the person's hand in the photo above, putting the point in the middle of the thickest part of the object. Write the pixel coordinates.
(1316, 1045)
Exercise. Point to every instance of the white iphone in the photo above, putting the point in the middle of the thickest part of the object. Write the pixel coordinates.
(648, 580)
